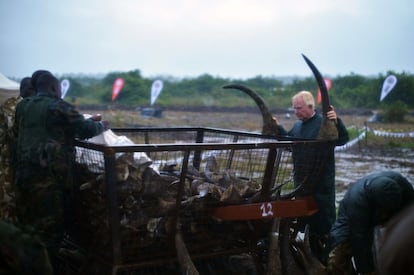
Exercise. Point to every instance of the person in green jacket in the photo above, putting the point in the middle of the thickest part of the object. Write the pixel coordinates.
(7, 110)
(45, 129)
(308, 126)
(369, 202)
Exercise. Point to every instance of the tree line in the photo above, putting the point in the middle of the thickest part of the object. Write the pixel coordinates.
(347, 92)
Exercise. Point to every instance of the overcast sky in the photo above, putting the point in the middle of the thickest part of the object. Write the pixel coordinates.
(187, 38)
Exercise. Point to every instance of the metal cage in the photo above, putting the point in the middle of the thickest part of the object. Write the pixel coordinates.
(182, 197)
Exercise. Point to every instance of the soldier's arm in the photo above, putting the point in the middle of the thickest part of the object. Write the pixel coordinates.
(80, 127)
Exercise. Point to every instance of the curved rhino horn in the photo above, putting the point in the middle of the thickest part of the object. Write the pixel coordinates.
(326, 106)
(328, 129)
(270, 126)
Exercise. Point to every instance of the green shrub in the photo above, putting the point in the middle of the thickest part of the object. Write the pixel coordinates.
(395, 112)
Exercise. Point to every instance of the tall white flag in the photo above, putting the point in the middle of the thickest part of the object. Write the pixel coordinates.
(64, 86)
(388, 85)
(156, 90)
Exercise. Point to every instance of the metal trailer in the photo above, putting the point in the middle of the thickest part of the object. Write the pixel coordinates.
(204, 203)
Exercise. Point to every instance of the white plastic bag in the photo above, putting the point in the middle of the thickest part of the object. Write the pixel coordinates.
(108, 137)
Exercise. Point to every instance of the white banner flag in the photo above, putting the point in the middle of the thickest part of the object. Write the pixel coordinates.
(64, 85)
(388, 85)
(156, 90)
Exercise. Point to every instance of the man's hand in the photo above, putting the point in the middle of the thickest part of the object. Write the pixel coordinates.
(331, 115)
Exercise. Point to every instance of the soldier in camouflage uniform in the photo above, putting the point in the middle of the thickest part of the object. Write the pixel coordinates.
(45, 129)
(7, 110)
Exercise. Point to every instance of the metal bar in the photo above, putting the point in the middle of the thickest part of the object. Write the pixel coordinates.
(147, 141)
(183, 174)
(276, 166)
(197, 154)
(268, 175)
(110, 180)
(190, 146)
(231, 155)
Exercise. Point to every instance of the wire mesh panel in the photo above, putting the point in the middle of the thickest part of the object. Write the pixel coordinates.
(154, 135)
(148, 206)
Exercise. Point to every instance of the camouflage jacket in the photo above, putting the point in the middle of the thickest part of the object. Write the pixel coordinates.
(7, 110)
(22, 252)
(45, 129)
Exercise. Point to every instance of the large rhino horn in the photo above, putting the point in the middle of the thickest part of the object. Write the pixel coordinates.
(306, 259)
(328, 128)
(270, 126)
(326, 106)
(184, 259)
(274, 261)
(288, 260)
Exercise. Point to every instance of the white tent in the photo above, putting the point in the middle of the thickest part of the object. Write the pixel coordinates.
(8, 87)
(8, 84)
